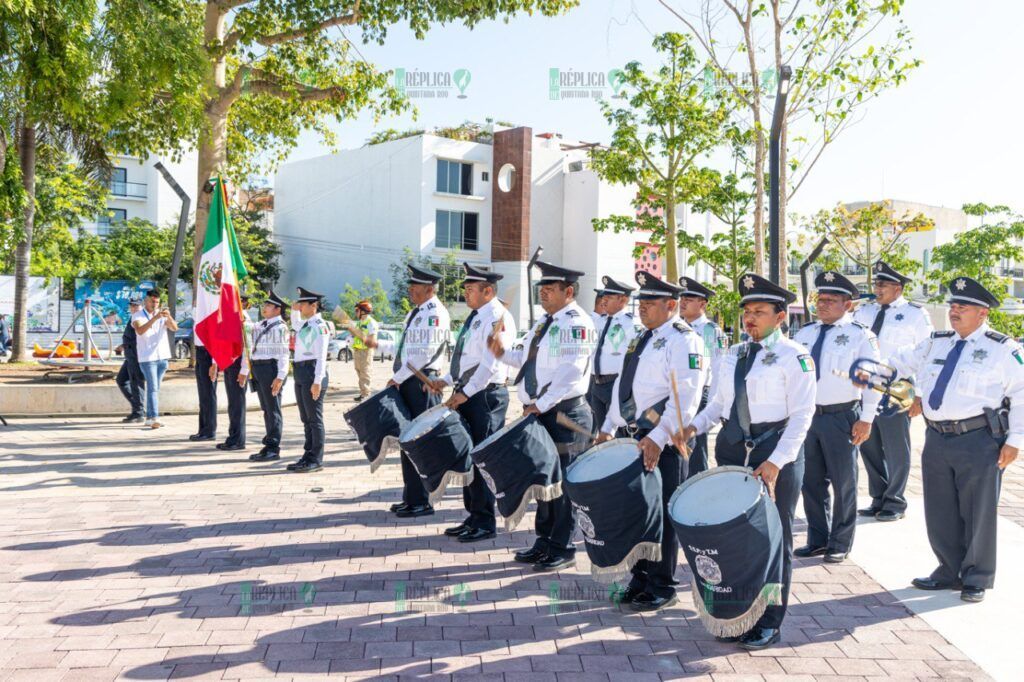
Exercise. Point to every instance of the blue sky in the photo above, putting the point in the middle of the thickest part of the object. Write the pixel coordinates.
(948, 136)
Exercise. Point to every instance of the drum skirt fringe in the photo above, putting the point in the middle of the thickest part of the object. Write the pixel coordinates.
(440, 455)
(645, 551)
(378, 422)
(537, 491)
(734, 627)
(460, 478)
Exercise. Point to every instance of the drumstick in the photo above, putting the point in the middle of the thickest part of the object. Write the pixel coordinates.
(683, 451)
(420, 375)
(563, 420)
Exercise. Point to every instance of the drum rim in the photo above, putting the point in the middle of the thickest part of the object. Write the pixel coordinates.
(507, 428)
(597, 448)
(367, 401)
(709, 472)
(439, 408)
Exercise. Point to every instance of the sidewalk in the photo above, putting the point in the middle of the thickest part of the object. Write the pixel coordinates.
(136, 554)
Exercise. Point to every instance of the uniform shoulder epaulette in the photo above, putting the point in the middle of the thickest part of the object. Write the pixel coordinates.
(860, 324)
(680, 326)
(912, 304)
(998, 337)
(942, 335)
(571, 313)
(431, 305)
(629, 315)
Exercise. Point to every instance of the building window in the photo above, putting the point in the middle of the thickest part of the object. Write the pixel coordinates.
(456, 230)
(485, 176)
(454, 177)
(107, 222)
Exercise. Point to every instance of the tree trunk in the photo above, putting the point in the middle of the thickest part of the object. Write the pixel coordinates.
(671, 267)
(23, 254)
(759, 160)
(783, 247)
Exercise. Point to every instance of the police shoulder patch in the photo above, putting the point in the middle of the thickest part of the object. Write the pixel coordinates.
(806, 362)
(696, 360)
(998, 337)
(942, 335)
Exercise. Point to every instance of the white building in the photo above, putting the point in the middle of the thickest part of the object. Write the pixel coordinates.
(137, 190)
(343, 217)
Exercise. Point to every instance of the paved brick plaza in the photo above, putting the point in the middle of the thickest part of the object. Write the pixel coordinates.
(136, 554)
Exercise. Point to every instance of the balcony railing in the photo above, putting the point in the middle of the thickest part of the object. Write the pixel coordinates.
(134, 190)
(1012, 272)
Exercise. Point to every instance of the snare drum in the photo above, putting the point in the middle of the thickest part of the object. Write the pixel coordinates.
(519, 463)
(378, 422)
(618, 505)
(438, 446)
(731, 534)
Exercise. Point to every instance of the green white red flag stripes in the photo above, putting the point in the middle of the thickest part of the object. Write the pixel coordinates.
(218, 303)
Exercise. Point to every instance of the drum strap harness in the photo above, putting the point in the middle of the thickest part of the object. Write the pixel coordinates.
(528, 372)
(627, 404)
(739, 417)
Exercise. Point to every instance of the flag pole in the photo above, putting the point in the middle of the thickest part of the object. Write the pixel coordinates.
(238, 290)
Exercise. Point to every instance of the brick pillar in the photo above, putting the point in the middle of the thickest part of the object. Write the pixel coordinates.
(510, 211)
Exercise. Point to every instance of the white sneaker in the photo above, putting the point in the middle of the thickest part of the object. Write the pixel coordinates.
(149, 422)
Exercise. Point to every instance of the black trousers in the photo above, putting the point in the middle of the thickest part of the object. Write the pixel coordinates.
(699, 452)
(787, 492)
(830, 458)
(236, 404)
(418, 401)
(483, 414)
(262, 377)
(132, 383)
(886, 456)
(658, 578)
(961, 480)
(311, 412)
(207, 393)
(600, 398)
(555, 522)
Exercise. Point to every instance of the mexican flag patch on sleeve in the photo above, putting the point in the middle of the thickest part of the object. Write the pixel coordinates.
(696, 360)
(806, 363)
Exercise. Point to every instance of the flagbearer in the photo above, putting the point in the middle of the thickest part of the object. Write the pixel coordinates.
(311, 338)
(234, 387)
(480, 396)
(693, 307)
(971, 382)
(554, 372)
(425, 337)
(899, 324)
(767, 389)
(842, 419)
(642, 395)
(615, 330)
(269, 352)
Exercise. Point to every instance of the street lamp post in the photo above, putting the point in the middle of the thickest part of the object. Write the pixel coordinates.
(775, 141)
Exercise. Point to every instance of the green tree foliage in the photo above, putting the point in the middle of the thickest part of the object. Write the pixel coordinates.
(371, 290)
(449, 289)
(658, 143)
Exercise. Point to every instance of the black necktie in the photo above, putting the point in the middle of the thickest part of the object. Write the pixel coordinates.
(600, 344)
(627, 406)
(528, 372)
(876, 326)
(401, 342)
(459, 343)
(816, 350)
(738, 426)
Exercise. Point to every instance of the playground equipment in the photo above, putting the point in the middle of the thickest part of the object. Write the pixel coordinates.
(67, 354)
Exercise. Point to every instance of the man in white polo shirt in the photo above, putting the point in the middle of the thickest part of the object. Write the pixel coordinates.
(151, 326)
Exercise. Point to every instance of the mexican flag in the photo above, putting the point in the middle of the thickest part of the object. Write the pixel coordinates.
(218, 305)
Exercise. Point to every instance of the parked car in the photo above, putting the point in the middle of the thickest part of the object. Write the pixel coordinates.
(387, 340)
(340, 347)
(183, 339)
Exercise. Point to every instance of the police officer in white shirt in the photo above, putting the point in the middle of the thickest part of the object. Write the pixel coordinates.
(668, 348)
(971, 383)
(767, 389)
(842, 419)
(554, 373)
(598, 313)
(615, 330)
(425, 337)
(693, 307)
(311, 338)
(898, 324)
(480, 396)
(269, 365)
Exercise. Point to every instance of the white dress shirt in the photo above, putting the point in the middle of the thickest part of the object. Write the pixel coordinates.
(613, 351)
(845, 342)
(715, 345)
(427, 329)
(563, 362)
(990, 368)
(906, 324)
(674, 348)
(780, 385)
(269, 341)
(311, 338)
(476, 357)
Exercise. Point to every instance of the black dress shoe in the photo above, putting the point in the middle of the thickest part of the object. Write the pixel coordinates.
(889, 515)
(296, 464)
(414, 510)
(133, 419)
(868, 511)
(933, 584)
(649, 602)
(196, 437)
(475, 535)
(972, 594)
(307, 467)
(529, 556)
(397, 507)
(553, 563)
(266, 457)
(230, 446)
(727, 640)
(626, 596)
(809, 551)
(835, 557)
(759, 638)
(457, 530)
(358, 399)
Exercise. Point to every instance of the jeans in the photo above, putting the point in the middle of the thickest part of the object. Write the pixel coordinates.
(154, 373)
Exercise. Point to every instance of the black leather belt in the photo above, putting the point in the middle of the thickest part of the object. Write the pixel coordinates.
(837, 407)
(958, 426)
(302, 363)
(273, 362)
(570, 403)
(604, 378)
